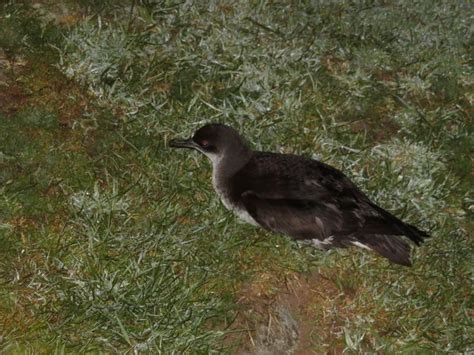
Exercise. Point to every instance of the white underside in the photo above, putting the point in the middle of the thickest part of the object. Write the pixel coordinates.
(240, 212)
(322, 244)
(360, 245)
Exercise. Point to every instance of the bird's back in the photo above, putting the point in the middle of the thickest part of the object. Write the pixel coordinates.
(308, 199)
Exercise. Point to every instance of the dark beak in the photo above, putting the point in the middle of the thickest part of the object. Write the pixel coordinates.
(182, 143)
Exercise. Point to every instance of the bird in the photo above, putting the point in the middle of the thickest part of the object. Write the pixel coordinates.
(300, 197)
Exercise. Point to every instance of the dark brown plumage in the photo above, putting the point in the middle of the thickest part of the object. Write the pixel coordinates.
(303, 198)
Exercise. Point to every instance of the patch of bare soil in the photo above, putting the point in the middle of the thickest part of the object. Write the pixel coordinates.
(40, 85)
(379, 129)
(292, 319)
(12, 96)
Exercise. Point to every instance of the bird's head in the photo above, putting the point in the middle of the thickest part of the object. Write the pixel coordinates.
(215, 140)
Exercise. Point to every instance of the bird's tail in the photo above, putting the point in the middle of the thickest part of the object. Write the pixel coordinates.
(392, 247)
(412, 232)
(383, 234)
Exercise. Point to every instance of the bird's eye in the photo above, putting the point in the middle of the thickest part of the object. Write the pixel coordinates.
(205, 143)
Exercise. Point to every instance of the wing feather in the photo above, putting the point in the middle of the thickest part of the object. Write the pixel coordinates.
(301, 219)
(306, 199)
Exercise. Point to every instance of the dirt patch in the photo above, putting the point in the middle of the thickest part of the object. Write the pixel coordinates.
(12, 98)
(49, 87)
(294, 319)
(39, 85)
(378, 129)
(334, 64)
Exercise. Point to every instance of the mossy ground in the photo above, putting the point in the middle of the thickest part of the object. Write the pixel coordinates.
(111, 242)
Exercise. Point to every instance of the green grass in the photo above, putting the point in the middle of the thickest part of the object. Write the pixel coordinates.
(111, 242)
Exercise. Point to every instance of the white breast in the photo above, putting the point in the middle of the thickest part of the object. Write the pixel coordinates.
(240, 212)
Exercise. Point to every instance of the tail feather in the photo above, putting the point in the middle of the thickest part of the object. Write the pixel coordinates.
(383, 234)
(392, 247)
(412, 232)
(416, 235)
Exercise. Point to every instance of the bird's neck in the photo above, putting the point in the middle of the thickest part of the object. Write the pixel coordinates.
(230, 163)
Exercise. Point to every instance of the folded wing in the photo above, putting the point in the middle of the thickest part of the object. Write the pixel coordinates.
(316, 201)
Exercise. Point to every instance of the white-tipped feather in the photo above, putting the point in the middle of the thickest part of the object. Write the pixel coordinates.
(360, 245)
(322, 244)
